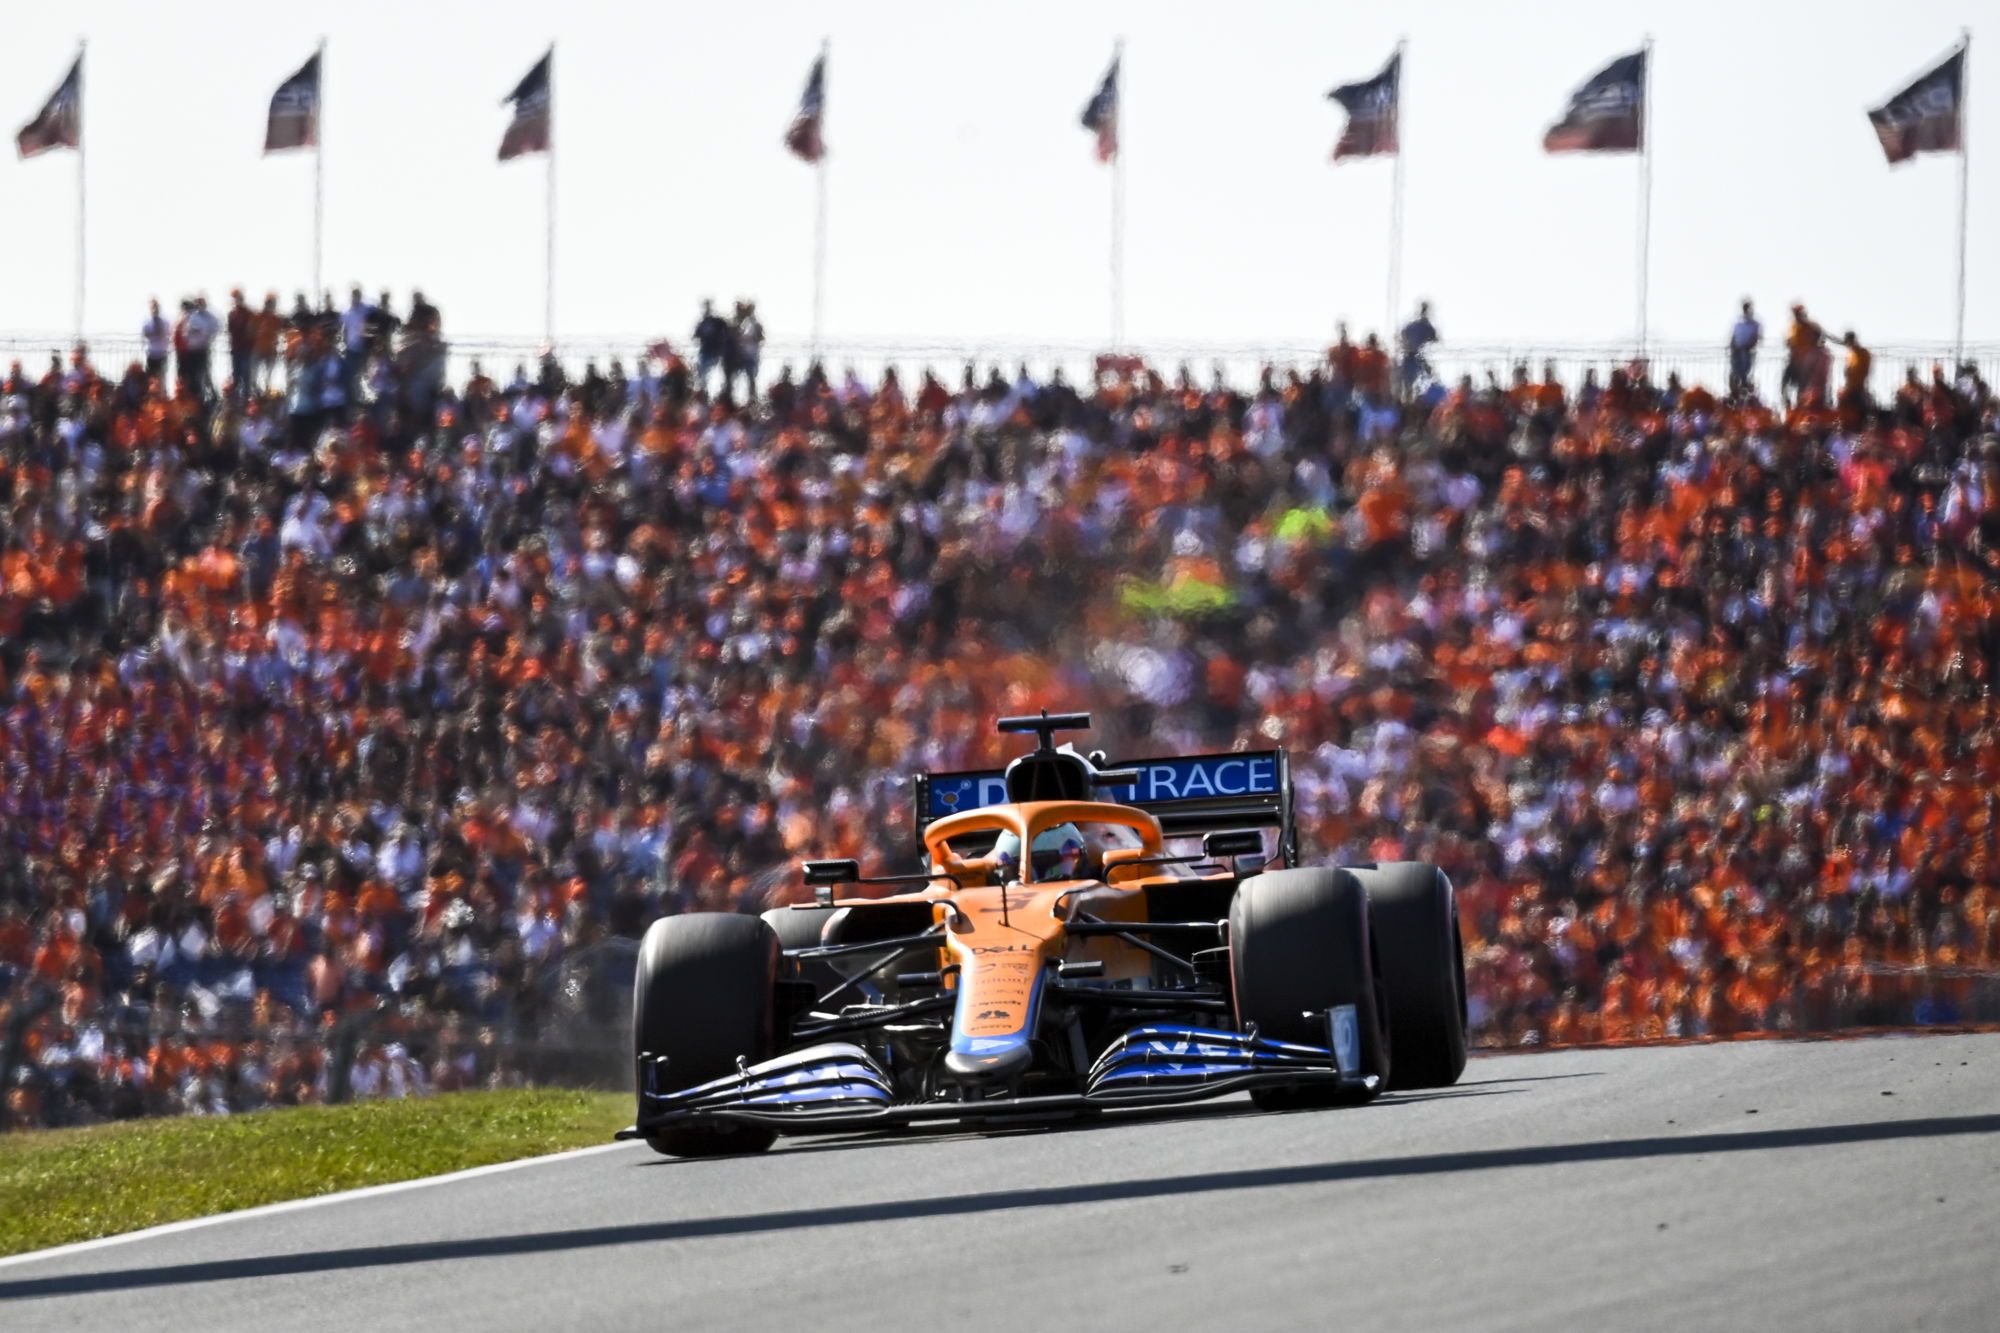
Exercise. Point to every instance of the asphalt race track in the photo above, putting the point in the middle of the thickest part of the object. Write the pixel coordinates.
(1823, 1185)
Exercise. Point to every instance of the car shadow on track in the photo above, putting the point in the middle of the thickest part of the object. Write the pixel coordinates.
(960, 1205)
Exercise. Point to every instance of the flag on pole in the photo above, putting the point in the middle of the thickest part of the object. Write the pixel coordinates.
(1924, 117)
(1607, 114)
(1100, 117)
(294, 118)
(534, 112)
(1372, 107)
(60, 122)
(803, 137)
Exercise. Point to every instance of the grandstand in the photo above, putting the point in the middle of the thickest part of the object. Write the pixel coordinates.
(347, 732)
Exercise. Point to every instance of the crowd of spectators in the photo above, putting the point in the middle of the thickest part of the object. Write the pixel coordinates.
(337, 691)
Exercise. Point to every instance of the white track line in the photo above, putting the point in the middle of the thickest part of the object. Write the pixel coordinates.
(293, 1205)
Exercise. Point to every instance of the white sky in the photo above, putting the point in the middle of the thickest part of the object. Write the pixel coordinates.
(965, 201)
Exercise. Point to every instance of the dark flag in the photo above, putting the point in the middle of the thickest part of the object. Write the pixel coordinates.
(294, 119)
(534, 112)
(1100, 117)
(1372, 107)
(60, 124)
(1924, 117)
(803, 137)
(1607, 114)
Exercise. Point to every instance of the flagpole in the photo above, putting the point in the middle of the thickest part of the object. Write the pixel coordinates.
(1396, 204)
(1964, 186)
(1645, 185)
(1118, 205)
(549, 258)
(819, 218)
(80, 195)
(319, 174)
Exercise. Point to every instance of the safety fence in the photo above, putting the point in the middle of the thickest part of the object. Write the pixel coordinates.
(1886, 996)
(1854, 999)
(566, 1025)
(569, 1028)
(1239, 363)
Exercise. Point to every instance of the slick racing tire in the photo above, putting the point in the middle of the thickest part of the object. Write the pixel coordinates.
(703, 999)
(1414, 915)
(1299, 944)
(799, 928)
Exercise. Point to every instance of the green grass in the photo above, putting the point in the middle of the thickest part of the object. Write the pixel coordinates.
(63, 1185)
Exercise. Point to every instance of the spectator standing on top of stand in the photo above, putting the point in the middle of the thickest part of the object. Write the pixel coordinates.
(711, 344)
(383, 325)
(158, 336)
(197, 339)
(1340, 359)
(1743, 341)
(1416, 338)
(1802, 341)
(242, 342)
(424, 317)
(266, 328)
(354, 323)
(1854, 397)
(746, 343)
(180, 345)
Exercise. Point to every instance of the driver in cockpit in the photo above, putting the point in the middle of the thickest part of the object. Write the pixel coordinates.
(1059, 853)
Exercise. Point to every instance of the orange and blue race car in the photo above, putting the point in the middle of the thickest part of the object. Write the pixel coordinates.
(1058, 954)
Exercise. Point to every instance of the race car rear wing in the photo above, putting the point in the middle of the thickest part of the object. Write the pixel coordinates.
(1189, 794)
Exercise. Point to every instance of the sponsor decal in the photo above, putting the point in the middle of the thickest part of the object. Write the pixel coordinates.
(982, 1045)
(1189, 778)
(1202, 778)
(1184, 1048)
(997, 997)
(949, 795)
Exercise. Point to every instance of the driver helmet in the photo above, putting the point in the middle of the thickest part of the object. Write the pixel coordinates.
(1058, 853)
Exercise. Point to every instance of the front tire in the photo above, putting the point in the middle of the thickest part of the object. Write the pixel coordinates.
(703, 999)
(1299, 944)
(1414, 913)
(801, 928)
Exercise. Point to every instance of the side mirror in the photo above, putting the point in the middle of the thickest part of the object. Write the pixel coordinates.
(823, 875)
(1228, 843)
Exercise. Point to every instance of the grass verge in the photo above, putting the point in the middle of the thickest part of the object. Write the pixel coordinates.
(63, 1185)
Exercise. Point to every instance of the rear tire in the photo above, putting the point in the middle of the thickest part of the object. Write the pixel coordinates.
(703, 999)
(1414, 913)
(1299, 943)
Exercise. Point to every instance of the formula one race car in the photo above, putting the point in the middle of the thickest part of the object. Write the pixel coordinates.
(1055, 958)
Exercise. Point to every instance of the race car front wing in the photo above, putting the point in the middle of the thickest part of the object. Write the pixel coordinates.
(838, 1086)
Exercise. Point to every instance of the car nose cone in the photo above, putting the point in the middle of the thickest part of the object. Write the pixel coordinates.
(987, 1066)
